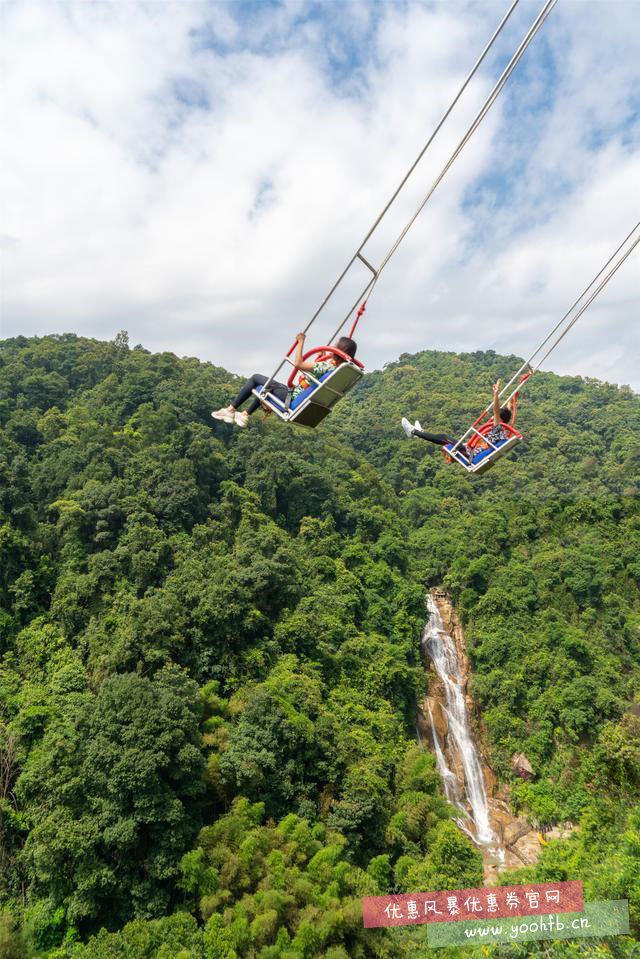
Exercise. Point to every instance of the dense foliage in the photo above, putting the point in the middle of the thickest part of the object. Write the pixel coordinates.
(210, 658)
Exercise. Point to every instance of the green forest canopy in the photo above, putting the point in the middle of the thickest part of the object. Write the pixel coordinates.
(210, 657)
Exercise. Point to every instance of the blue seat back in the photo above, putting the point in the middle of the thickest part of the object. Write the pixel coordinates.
(301, 397)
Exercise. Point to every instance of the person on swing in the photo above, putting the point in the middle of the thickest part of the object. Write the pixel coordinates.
(497, 435)
(317, 368)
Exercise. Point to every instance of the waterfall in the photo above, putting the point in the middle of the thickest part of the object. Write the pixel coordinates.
(450, 780)
(440, 647)
(451, 785)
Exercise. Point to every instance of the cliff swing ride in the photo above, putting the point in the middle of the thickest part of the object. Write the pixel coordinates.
(474, 451)
(481, 453)
(312, 404)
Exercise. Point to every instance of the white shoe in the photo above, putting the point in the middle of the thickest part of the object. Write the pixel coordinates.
(241, 419)
(224, 415)
(407, 427)
(417, 425)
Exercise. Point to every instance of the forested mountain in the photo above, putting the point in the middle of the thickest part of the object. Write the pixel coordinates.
(210, 650)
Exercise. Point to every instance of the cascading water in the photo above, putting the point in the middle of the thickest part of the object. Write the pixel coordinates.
(451, 785)
(441, 649)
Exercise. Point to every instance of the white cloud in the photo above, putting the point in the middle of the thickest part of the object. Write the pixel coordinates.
(201, 180)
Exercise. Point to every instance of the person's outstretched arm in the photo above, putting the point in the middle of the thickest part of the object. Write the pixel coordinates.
(496, 403)
(305, 365)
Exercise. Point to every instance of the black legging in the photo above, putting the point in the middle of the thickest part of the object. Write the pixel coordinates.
(278, 389)
(440, 438)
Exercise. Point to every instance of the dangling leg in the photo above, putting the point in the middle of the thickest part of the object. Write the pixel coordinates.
(440, 439)
(230, 414)
(279, 390)
(227, 414)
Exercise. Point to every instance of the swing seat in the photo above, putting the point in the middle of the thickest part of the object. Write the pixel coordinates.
(486, 458)
(316, 401)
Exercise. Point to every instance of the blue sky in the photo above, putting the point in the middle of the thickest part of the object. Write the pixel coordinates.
(200, 173)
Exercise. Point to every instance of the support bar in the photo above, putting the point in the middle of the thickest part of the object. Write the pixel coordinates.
(366, 263)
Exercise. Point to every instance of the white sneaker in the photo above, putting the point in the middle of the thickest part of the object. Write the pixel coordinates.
(407, 427)
(224, 415)
(241, 419)
(417, 425)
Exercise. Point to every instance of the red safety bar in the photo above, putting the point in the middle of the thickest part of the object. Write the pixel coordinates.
(327, 352)
(523, 379)
(486, 428)
(361, 310)
(475, 439)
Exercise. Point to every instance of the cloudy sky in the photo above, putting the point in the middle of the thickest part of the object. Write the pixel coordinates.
(200, 173)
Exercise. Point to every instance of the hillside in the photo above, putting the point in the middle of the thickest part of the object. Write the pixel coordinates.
(210, 658)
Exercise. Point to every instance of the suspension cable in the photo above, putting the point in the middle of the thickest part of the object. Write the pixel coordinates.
(358, 254)
(564, 324)
(595, 293)
(493, 96)
(497, 89)
(394, 195)
(529, 364)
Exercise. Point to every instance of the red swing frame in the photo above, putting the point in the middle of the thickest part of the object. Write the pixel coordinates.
(481, 429)
(325, 353)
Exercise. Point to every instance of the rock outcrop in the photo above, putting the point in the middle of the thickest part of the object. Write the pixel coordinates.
(521, 765)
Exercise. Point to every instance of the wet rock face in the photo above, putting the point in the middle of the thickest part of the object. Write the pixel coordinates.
(434, 707)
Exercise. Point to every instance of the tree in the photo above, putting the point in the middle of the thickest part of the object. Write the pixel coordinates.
(113, 794)
(452, 862)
